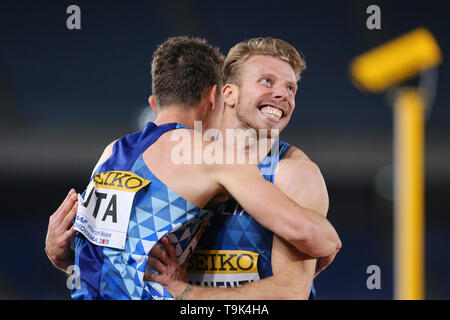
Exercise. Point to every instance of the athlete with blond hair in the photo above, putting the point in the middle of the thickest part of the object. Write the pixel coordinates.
(235, 251)
(145, 205)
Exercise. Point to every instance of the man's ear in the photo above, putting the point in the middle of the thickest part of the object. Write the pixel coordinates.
(230, 93)
(212, 97)
(151, 101)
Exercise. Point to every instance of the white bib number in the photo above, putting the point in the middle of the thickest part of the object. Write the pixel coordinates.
(104, 214)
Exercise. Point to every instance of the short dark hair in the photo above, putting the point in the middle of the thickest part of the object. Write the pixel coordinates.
(183, 68)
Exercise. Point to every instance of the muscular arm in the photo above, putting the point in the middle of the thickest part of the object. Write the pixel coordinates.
(293, 271)
(307, 230)
(292, 278)
(279, 286)
(301, 180)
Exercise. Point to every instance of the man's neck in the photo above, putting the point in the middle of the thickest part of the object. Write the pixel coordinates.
(178, 114)
(231, 121)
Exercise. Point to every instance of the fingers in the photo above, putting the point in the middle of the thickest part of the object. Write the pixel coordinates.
(69, 233)
(70, 216)
(65, 200)
(164, 260)
(66, 205)
(161, 254)
(149, 276)
(69, 204)
(185, 265)
(170, 249)
(156, 264)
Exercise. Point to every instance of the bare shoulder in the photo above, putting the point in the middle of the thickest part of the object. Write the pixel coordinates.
(297, 162)
(108, 151)
(300, 177)
(109, 148)
(105, 155)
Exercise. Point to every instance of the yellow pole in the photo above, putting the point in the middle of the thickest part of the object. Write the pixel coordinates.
(409, 195)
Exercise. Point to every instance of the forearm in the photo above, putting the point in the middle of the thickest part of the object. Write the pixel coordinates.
(266, 289)
(292, 278)
(59, 264)
(64, 266)
(320, 238)
(309, 231)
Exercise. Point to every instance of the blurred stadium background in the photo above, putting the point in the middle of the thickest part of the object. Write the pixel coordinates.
(64, 95)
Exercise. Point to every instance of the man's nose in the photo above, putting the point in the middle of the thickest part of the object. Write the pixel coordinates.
(280, 93)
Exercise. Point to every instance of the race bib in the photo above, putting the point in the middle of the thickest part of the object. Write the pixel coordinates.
(104, 213)
(222, 268)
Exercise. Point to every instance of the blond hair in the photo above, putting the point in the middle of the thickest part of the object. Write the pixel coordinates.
(266, 46)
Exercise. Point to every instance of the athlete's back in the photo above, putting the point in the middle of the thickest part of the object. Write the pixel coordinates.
(125, 211)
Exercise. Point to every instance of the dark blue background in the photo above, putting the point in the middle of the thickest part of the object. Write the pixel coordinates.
(60, 86)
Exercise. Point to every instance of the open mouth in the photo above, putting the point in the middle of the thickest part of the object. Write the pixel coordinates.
(271, 111)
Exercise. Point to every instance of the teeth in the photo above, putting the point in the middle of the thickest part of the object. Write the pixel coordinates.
(271, 112)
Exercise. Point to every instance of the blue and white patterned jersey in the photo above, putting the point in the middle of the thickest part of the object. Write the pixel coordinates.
(125, 211)
(234, 248)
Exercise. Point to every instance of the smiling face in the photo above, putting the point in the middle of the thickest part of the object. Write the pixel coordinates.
(266, 95)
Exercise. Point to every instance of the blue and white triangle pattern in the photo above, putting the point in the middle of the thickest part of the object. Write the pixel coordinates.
(157, 211)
